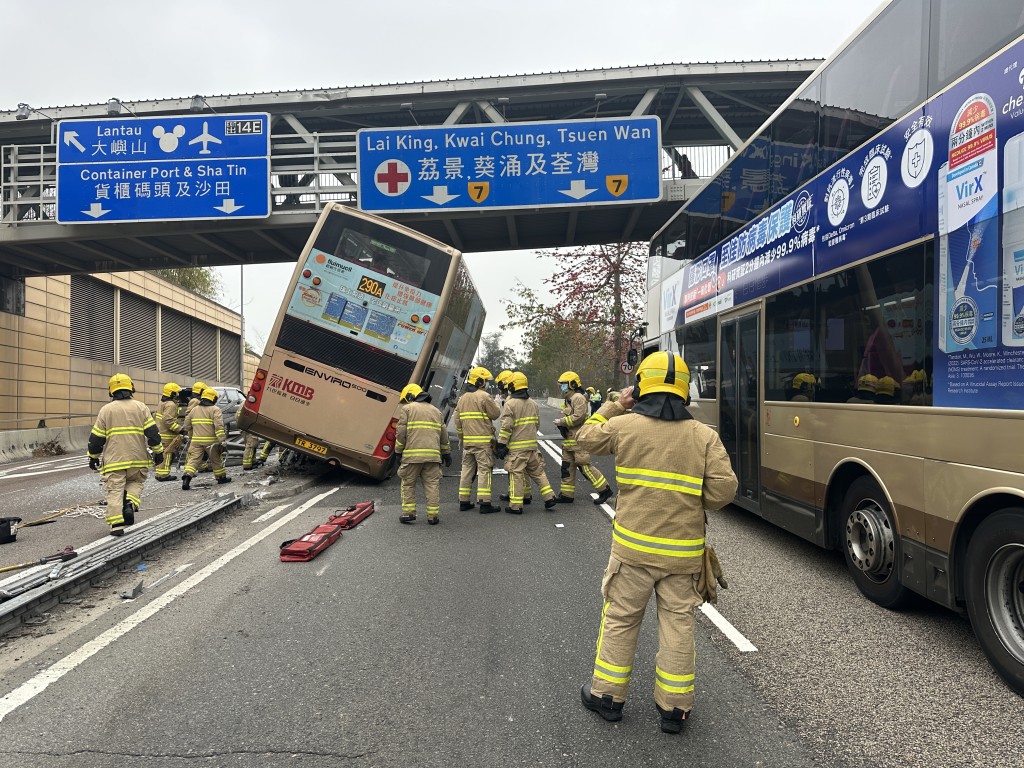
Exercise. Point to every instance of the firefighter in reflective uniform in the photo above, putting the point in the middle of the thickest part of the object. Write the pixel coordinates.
(167, 422)
(474, 423)
(124, 428)
(422, 442)
(517, 440)
(574, 413)
(670, 468)
(502, 381)
(205, 426)
(249, 458)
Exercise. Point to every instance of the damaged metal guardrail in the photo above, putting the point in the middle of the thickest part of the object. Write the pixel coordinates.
(24, 596)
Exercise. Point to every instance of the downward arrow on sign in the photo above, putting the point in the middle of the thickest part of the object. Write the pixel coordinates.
(440, 196)
(96, 210)
(229, 206)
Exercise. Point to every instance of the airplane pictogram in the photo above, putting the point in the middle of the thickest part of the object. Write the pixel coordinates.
(205, 138)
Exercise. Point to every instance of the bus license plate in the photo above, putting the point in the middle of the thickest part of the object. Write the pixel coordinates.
(315, 447)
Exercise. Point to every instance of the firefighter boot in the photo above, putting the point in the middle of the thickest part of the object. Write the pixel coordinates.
(513, 511)
(550, 504)
(560, 499)
(672, 720)
(222, 480)
(487, 508)
(407, 518)
(164, 479)
(186, 483)
(128, 512)
(604, 495)
(526, 499)
(466, 505)
(433, 519)
(604, 705)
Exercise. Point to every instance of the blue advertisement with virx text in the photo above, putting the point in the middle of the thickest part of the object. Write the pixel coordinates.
(953, 170)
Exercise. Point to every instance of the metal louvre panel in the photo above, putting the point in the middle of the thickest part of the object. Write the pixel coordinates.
(338, 352)
(92, 319)
(138, 332)
(204, 350)
(230, 357)
(175, 342)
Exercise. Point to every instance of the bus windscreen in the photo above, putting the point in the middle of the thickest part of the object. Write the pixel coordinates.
(368, 291)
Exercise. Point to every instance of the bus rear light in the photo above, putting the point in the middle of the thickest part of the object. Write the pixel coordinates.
(386, 446)
(256, 390)
(306, 273)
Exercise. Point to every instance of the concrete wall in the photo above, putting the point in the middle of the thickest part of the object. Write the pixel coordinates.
(43, 385)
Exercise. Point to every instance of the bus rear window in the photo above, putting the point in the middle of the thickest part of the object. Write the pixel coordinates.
(376, 256)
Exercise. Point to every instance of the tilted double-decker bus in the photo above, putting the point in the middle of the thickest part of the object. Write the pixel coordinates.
(848, 292)
(371, 307)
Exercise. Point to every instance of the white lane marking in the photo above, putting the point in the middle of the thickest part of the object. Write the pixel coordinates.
(727, 629)
(267, 515)
(40, 472)
(548, 446)
(19, 490)
(41, 681)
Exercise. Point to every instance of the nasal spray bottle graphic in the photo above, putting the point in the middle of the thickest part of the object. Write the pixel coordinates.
(1013, 242)
(969, 205)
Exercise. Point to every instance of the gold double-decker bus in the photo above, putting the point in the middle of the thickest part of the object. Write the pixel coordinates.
(848, 293)
(371, 307)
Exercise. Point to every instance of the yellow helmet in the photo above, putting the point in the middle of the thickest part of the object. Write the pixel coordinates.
(867, 381)
(663, 372)
(120, 381)
(803, 379)
(209, 393)
(410, 393)
(886, 386)
(517, 381)
(197, 389)
(591, 390)
(171, 389)
(479, 376)
(570, 378)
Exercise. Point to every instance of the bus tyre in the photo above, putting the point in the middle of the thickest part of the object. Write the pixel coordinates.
(871, 544)
(994, 583)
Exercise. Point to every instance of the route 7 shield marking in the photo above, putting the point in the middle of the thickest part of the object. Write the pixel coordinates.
(616, 184)
(479, 190)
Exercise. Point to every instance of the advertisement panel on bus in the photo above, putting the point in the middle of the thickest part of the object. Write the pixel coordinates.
(937, 172)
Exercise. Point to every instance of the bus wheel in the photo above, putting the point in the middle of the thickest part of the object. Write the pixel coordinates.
(870, 544)
(994, 580)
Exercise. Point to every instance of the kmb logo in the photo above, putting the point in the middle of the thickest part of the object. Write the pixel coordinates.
(291, 387)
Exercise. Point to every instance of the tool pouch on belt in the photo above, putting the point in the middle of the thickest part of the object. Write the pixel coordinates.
(710, 576)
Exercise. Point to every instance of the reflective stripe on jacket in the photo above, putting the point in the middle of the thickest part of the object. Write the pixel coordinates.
(205, 424)
(122, 431)
(474, 418)
(574, 414)
(166, 418)
(519, 423)
(422, 436)
(668, 473)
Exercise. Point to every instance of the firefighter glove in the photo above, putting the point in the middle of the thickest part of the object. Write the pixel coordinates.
(565, 469)
(446, 459)
(501, 451)
(94, 463)
(563, 431)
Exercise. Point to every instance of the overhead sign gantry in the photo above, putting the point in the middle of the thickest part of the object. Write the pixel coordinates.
(163, 168)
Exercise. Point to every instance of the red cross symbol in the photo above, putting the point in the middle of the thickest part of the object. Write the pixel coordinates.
(392, 177)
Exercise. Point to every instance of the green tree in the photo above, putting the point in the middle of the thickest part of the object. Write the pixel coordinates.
(598, 300)
(202, 280)
(493, 356)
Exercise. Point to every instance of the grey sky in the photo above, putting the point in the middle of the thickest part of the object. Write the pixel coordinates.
(85, 53)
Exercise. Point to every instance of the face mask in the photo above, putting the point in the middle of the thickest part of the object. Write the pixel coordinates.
(564, 387)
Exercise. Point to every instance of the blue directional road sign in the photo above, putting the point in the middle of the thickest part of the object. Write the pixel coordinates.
(510, 165)
(167, 168)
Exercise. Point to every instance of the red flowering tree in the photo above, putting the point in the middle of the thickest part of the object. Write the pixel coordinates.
(598, 299)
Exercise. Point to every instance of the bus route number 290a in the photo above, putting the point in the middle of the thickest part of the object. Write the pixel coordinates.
(372, 287)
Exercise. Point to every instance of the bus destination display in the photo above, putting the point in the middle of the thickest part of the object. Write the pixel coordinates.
(365, 300)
